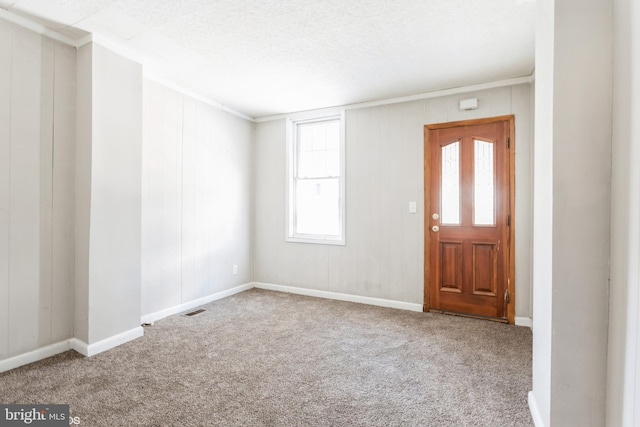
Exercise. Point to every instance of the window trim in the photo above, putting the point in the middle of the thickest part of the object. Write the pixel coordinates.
(291, 153)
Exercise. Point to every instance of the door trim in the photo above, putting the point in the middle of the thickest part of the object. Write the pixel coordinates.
(510, 122)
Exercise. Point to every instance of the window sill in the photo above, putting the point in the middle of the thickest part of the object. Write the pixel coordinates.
(318, 241)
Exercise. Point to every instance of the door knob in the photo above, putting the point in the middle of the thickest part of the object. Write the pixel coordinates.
(435, 216)
(435, 228)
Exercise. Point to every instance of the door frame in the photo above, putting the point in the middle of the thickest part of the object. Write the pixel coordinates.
(511, 282)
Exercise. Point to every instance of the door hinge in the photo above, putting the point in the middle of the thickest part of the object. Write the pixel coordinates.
(507, 297)
(508, 220)
(508, 142)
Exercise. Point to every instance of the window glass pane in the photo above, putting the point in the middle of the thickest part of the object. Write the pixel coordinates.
(333, 162)
(450, 185)
(317, 206)
(483, 184)
(318, 149)
(315, 189)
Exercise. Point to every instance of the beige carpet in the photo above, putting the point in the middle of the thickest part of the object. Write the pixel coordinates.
(263, 358)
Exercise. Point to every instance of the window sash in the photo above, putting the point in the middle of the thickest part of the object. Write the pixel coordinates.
(331, 231)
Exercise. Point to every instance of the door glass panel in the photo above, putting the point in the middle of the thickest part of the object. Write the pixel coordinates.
(450, 190)
(484, 189)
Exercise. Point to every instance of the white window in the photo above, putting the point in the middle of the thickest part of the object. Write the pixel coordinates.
(315, 196)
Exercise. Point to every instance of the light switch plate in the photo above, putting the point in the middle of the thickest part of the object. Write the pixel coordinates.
(412, 207)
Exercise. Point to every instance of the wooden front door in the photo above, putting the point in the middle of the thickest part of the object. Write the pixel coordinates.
(468, 218)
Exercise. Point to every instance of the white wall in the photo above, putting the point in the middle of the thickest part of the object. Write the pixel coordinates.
(37, 121)
(71, 190)
(383, 257)
(542, 242)
(116, 181)
(197, 197)
(84, 126)
(581, 211)
(623, 374)
(572, 217)
(109, 295)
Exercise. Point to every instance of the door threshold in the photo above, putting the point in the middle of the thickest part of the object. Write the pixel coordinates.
(471, 316)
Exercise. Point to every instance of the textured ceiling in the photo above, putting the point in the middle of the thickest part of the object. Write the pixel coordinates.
(277, 56)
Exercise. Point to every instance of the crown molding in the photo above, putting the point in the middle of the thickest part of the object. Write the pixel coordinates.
(191, 94)
(135, 56)
(398, 100)
(35, 27)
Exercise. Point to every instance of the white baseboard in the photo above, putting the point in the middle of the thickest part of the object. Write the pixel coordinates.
(111, 342)
(34, 356)
(524, 321)
(535, 412)
(79, 346)
(70, 344)
(341, 297)
(106, 344)
(153, 317)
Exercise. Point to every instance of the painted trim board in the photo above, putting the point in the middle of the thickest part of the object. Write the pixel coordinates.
(35, 27)
(191, 94)
(34, 355)
(535, 412)
(152, 317)
(107, 343)
(70, 344)
(89, 350)
(524, 321)
(132, 54)
(340, 297)
(519, 321)
(398, 100)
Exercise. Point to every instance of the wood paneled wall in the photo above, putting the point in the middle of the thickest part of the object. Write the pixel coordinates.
(196, 199)
(111, 151)
(37, 138)
(383, 257)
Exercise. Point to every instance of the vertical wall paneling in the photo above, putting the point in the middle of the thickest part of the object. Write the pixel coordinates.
(348, 259)
(171, 198)
(358, 138)
(152, 200)
(115, 203)
(623, 360)
(411, 139)
(144, 209)
(366, 216)
(196, 228)
(62, 301)
(270, 202)
(395, 207)
(203, 200)
(572, 193)
(82, 190)
(237, 147)
(190, 254)
(384, 252)
(24, 200)
(374, 195)
(436, 110)
(198, 204)
(5, 170)
(206, 223)
(197, 199)
(390, 138)
(46, 190)
(521, 107)
(37, 137)
(210, 222)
